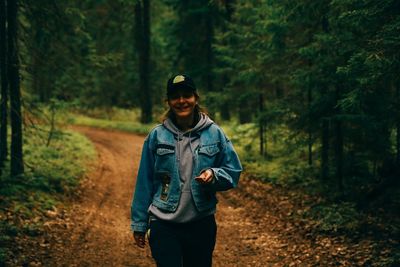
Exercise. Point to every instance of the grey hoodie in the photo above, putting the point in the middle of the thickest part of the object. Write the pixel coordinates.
(186, 143)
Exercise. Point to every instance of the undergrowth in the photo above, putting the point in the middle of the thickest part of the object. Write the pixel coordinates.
(285, 164)
(116, 119)
(52, 171)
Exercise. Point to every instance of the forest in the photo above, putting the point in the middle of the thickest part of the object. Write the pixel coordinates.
(308, 92)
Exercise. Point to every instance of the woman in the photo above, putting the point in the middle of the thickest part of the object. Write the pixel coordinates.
(185, 161)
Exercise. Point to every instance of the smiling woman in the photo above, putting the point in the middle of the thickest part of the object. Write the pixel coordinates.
(185, 161)
(182, 100)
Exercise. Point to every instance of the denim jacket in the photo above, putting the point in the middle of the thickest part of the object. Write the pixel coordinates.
(158, 181)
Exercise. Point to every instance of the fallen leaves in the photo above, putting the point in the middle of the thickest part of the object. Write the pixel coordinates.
(275, 227)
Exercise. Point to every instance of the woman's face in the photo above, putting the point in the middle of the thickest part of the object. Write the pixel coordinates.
(182, 103)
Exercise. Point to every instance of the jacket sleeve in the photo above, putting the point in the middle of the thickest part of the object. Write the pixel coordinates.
(143, 190)
(227, 173)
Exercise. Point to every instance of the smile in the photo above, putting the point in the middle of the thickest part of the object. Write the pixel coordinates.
(184, 108)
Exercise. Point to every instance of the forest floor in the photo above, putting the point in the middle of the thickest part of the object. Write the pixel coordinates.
(255, 222)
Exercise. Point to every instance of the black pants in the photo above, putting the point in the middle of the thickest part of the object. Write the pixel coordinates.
(183, 244)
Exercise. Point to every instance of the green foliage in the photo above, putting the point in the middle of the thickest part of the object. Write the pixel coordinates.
(112, 113)
(393, 260)
(282, 164)
(326, 71)
(117, 119)
(68, 58)
(3, 255)
(52, 171)
(192, 55)
(319, 77)
(333, 218)
(242, 137)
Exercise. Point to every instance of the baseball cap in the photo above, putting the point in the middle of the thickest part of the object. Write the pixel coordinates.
(180, 82)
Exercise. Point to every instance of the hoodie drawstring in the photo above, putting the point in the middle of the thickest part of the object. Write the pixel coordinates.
(180, 137)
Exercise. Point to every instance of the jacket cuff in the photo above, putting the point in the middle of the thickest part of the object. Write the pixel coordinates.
(139, 227)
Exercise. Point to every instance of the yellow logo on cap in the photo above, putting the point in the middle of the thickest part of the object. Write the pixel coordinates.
(178, 79)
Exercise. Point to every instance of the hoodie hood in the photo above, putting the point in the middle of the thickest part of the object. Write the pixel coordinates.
(204, 122)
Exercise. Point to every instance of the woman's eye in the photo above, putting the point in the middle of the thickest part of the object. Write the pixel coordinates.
(184, 95)
(188, 95)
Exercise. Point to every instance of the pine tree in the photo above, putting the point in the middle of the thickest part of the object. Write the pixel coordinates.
(17, 164)
(142, 40)
(4, 84)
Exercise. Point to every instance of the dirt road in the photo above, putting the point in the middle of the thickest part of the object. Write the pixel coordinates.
(95, 231)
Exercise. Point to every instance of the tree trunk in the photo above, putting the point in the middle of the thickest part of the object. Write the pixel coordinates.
(263, 151)
(142, 19)
(39, 56)
(225, 110)
(245, 113)
(339, 147)
(209, 51)
(339, 154)
(17, 165)
(230, 8)
(398, 126)
(310, 142)
(4, 84)
(226, 105)
(325, 149)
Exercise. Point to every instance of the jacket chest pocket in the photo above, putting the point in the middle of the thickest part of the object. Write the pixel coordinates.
(208, 155)
(164, 157)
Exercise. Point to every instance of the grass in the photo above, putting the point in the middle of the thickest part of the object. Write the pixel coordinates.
(116, 119)
(132, 127)
(52, 172)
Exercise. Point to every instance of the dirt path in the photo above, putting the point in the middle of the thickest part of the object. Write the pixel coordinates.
(96, 231)
(252, 225)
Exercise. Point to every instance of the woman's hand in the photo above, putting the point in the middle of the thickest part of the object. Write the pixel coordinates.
(205, 177)
(140, 239)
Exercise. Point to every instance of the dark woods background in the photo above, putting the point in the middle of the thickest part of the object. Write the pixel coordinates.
(321, 75)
